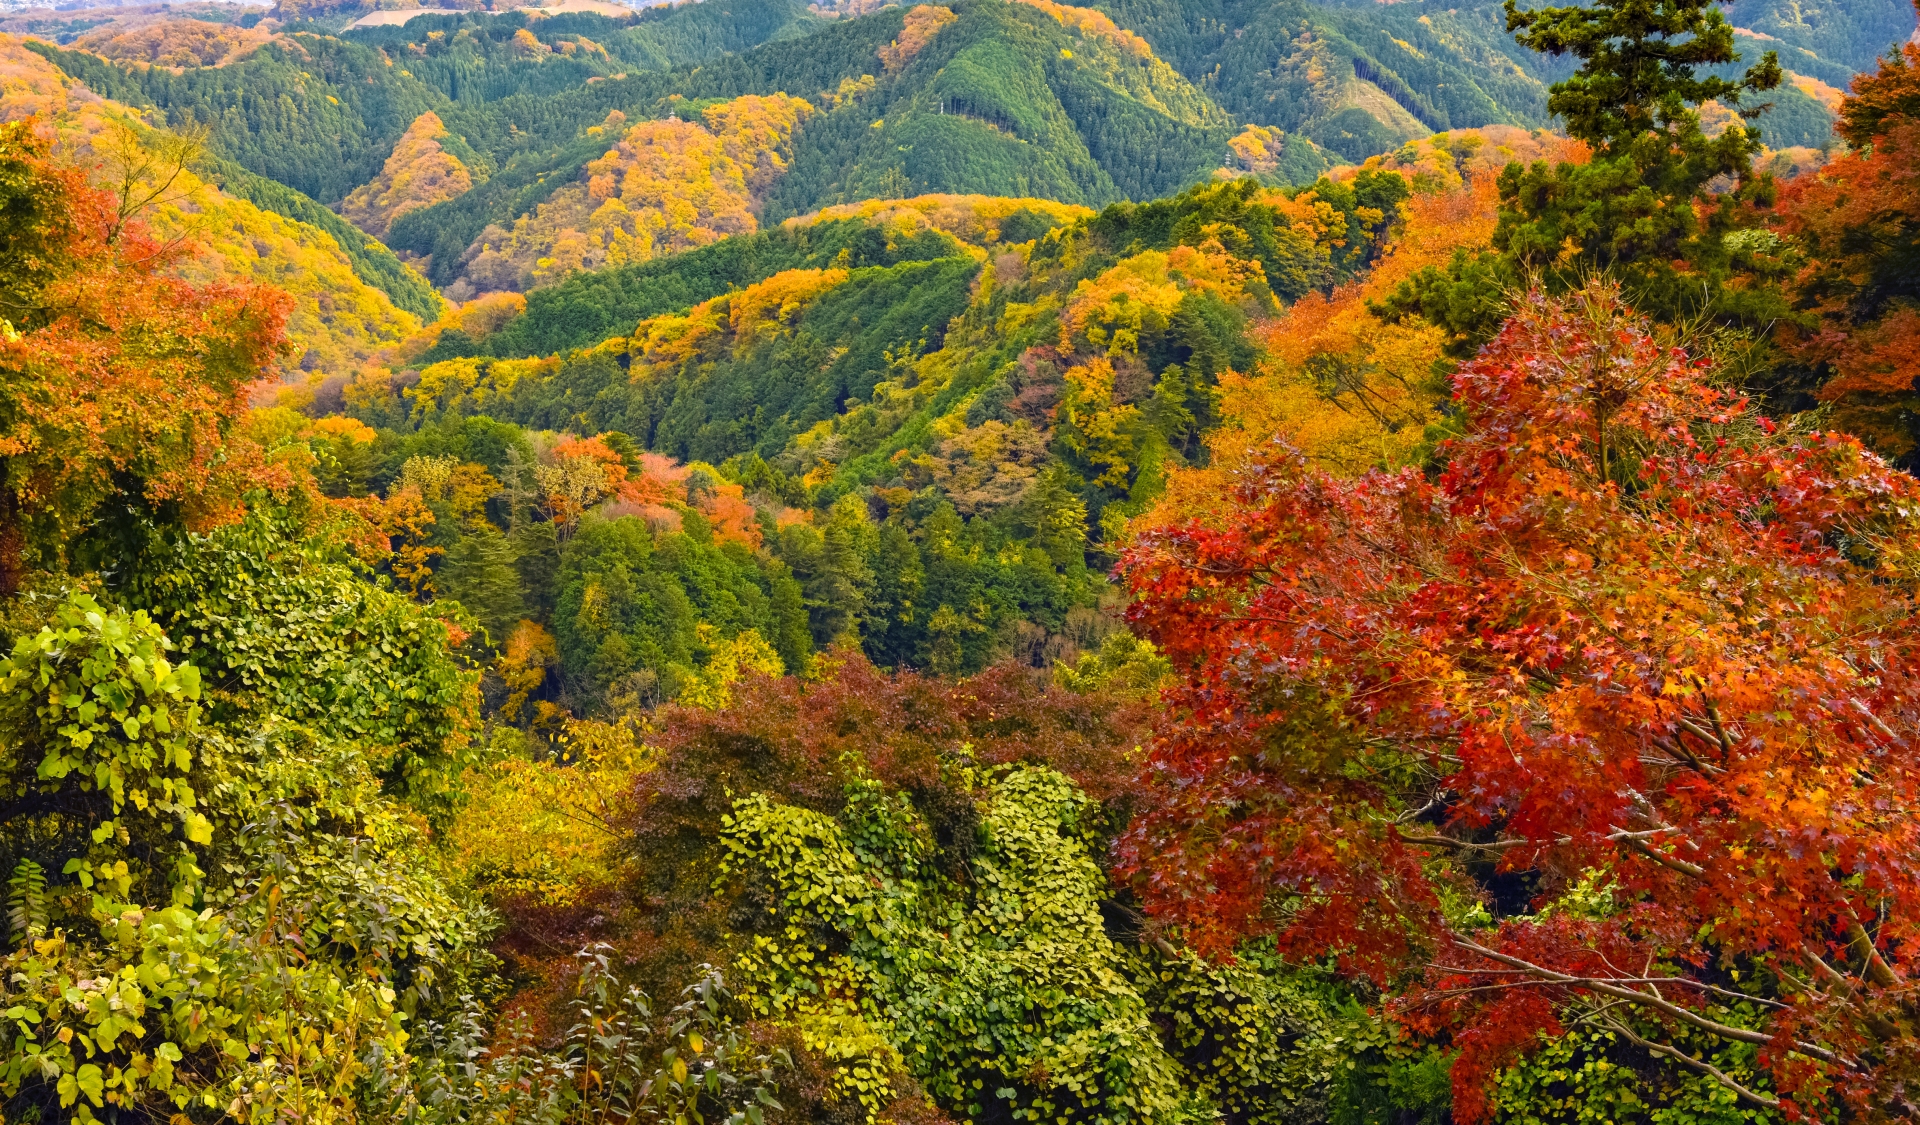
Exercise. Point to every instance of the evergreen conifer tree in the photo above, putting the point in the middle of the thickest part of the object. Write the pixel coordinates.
(481, 576)
(1654, 205)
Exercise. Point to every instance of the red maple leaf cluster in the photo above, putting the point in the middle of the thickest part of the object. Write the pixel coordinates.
(1633, 632)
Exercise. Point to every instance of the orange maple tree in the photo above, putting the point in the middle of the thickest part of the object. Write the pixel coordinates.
(1858, 221)
(1634, 635)
(119, 384)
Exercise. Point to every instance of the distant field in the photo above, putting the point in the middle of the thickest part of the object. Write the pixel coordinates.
(398, 17)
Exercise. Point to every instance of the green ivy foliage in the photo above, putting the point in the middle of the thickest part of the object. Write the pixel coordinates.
(1005, 993)
(1593, 1076)
(307, 845)
(241, 924)
(94, 717)
(980, 955)
(279, 630)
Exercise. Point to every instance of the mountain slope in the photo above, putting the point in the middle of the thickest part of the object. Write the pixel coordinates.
(590, 307)
(1358, 80)
(1826, 39)
(246, 228)
(1004, 99)
(1361, 77)
(1013, 99)
(1031, 98)
(663, 187)
(372, 262)
(322, 114)
(1016, 99)
(420, 172)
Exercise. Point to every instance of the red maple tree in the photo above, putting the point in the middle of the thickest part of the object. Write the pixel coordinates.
(119, 382)
(1633, 635)
(1857, 223)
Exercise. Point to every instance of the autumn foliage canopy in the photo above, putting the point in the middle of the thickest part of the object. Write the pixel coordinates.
(118, 383)
(1857, 221)
(1632, 635)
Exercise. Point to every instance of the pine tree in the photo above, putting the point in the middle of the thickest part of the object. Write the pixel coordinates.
(536, 549)
(792, 638)
(1640, 209)
(480, 575)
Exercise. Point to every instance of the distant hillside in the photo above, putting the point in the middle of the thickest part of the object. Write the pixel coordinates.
(1029, 99)
(1826, 39)
(553, 133)
(590, 307)
(1360, 77)
(1358, 81)
(322, 114)
(352, 296)
(902, 344)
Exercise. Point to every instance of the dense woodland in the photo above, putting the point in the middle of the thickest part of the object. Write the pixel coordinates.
(1272, 563)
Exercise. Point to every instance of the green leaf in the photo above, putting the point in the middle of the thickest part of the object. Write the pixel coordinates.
(91, 1082)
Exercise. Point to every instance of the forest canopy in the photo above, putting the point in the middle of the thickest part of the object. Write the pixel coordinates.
(958, 562)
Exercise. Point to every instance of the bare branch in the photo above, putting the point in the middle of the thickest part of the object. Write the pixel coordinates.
(1608, 988)
(1682, 982)
(1878, 1025)
(1877, 969)
(1439, 841)
(1634, 844)
(1713, 716)
(1686, 1060)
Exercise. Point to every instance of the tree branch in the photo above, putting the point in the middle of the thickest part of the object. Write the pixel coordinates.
(1634, 844)
(1686, 1060)
(1608, 988)
(1436, 840)
(1878, 971)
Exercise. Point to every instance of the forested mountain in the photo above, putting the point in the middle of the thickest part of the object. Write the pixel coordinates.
(968, 389)
(322, 114)
(1112, 121)
(1829, 41)
(1024, 99)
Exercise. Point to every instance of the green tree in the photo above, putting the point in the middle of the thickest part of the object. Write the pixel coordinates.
(280, 631)
(1059, 517)
(480, 575)
(536, 551)
(792, 638)
(1646, 208)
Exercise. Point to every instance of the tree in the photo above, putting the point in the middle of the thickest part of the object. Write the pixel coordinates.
(963, 935)
(480, 576)
(1639, 76)
(119, 384)
(418, 174)
(1609, 725)
(1857, 221)
(1643, 208)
